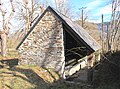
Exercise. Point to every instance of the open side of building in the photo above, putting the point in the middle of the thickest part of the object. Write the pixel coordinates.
(55, 41)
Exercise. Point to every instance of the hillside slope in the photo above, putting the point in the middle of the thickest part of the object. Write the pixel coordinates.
(33, 77)
(106, 76)
(92, 29)
(107, 73)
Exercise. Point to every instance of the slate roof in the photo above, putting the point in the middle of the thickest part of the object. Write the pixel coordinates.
(73, 27)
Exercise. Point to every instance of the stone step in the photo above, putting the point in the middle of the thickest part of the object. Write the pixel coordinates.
(80, 76)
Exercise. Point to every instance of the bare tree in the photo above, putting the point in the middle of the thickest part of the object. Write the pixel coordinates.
(63, 6)
(114, 29)
(28, 10)
(5, 25)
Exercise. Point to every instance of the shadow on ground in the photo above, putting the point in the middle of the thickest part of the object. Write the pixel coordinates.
(107, 74)
(44, 79)
(41, 79)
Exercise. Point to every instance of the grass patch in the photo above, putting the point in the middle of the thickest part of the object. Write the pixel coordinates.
(11, 54)
(33, 77)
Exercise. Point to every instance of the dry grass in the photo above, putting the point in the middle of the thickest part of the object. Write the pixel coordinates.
(26, 77)
(10, 80)
(33, 77)
(47, 75)
(11, 54)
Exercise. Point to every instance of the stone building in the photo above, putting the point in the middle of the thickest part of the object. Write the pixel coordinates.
(54, 41)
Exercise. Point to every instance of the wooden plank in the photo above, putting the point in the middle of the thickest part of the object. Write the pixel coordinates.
(81, 64)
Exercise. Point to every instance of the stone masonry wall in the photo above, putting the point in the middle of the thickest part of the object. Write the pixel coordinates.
(44, 46)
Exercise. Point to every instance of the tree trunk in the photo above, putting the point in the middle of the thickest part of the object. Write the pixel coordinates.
(3, 44)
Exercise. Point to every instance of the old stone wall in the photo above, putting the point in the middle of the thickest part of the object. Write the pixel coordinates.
(44, 46)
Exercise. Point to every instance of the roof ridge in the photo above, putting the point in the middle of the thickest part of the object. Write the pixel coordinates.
(59, 12)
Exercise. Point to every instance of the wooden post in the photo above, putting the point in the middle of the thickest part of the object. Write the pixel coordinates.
(82, 19)
(108, 35)
(102, 33)
(82, 15)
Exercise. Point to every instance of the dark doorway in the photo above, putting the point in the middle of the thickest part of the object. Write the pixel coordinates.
(74, 50)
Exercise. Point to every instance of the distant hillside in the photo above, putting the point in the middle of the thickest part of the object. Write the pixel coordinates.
(88, 25)
(99, 26)
(92, 29)
(15, 38)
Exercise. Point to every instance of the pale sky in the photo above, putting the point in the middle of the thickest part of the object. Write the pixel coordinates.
(94, 8)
